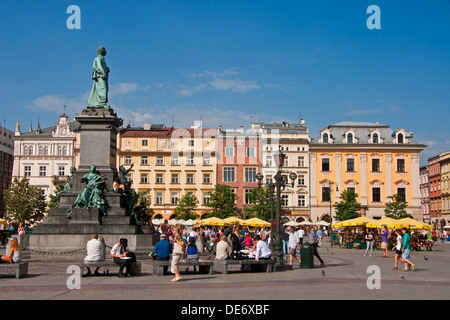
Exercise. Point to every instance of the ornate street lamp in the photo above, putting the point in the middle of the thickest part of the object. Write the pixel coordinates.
(280, 182)
(331, 215)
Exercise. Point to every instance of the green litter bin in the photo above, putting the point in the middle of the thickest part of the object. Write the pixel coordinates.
(307, 256)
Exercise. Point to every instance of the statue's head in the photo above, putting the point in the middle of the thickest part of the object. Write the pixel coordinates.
(101, 50)
(93, 167)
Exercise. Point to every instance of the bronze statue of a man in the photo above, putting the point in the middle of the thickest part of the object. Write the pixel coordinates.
(99, 92)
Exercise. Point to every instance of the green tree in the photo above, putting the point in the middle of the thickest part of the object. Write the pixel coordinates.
(396, 209)
(222, 202)
(53, 202)
(186, 208)
(260, 204)
(348, 207)
(24, 202)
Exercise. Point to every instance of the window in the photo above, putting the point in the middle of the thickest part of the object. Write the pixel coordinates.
(269, 180)
(159, 178)
(59, 151)
(127, 159)
(174, 197)
(375, 138)
(42, 171)
(326, 194)
(206, 198)
(61, 170)
(229, 151)
(401, 165)
(325, 164)
(351, 189)
(301, 180)
(41, 150)
(207, 160)
(400, 138)
(191, 143)
(350, 138)
(145, 142)
(27, 171)
(301, 201)
(190, 178)
(376, 165)
(64, 151)
(30, 150)
(268, 161)
(144, 160)
(350, 164)
(229, 174)
(175, 160)
(301, 161)
(144, 178)
(159, 160)
(376, 194)
(190, 160)
(175, 178)
(250, 175)
(286, 161)
(284, 199)
(159, 198)
(250, 152)
(402, 193)
(206, 178)
(248, 196)
(325, 138)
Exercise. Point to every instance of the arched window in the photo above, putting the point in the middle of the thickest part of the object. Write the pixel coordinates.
(375, 138)
(325, 138)
(30, 150)
(25, 151)
(400, 138)
(350, 138)
(64, 151)
(59, 150)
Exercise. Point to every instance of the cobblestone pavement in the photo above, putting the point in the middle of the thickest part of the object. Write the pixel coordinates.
(348, 275)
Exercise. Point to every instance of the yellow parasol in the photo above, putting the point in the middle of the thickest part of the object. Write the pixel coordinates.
(233, 220)
(414, 224)
(386, 222)
(360, 221)
(337, 225)
(3, 221)
(256, 222)
(214, 221)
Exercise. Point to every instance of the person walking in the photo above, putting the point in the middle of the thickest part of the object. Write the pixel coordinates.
(177, 253)
(406, 250)
(312, 239)
(397, 249)
(294, 244)
(369, 242)
(384, 242)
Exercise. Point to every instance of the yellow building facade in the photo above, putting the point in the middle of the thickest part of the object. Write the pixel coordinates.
(368, 159)
(169, 163)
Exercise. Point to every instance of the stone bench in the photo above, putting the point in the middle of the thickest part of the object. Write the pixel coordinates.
(135, 267)
(160, 267)
(21, 268)
(264, 265)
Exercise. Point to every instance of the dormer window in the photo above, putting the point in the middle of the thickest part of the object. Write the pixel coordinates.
(400, 138)
(349, 138)
(375, 138)
(325, 138)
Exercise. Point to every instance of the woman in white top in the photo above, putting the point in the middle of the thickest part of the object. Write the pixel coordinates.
(398, 249)
(14, 255)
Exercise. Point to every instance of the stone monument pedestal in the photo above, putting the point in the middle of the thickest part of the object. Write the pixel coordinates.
(98, 146)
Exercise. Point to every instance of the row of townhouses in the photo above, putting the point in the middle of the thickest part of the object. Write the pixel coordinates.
(369, 159)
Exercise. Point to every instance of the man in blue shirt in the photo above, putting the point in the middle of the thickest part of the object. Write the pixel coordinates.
(162, 249)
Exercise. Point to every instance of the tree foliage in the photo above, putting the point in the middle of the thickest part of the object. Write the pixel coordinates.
(348, 207)
(24, 202)
(396, 209)
(261, 206)
(222, 202)
(186, 208)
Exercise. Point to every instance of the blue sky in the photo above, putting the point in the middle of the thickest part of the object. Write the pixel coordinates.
(233, 62)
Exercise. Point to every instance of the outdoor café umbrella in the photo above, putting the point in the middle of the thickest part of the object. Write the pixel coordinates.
(360, 221)
(256, 222)
(414, 224)
(2, 221)
(291, 223)
(389, 223)
(214, 221)
(233, 220)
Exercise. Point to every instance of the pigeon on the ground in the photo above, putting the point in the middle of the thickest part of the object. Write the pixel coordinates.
(401, 276)
(323, 273)
(425, 258)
